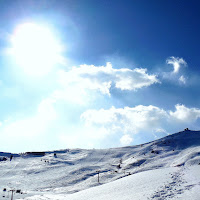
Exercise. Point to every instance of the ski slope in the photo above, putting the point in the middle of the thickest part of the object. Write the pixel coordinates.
(168, 168)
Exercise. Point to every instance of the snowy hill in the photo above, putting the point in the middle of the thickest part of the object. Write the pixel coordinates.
(168, 168)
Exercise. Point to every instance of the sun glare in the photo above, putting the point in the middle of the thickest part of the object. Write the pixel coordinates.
(35, 48)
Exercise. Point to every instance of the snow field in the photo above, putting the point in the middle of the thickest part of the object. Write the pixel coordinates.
(163, 169)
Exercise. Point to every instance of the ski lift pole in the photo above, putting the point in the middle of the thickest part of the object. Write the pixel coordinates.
(98, 171)
(12, 194)
(14, 190)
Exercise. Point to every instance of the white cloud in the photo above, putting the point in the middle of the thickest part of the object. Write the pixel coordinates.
(140, 119)
(126, 140)
(126, 120)
(176, 62)
(184, 114)
(182, 79)
(103, 77)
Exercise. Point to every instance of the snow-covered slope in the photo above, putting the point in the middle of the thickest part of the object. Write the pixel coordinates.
(162, 169)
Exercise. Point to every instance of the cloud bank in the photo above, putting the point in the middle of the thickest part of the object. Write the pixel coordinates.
(129, 121)
(58, 116)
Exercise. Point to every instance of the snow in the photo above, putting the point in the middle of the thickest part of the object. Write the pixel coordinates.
(122, 189)
(168, 168)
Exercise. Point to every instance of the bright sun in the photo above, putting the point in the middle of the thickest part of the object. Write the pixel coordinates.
(35, 48)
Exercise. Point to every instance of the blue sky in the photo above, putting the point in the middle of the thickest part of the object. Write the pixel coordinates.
(97, 74)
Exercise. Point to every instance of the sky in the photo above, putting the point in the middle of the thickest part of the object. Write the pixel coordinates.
(97, 74)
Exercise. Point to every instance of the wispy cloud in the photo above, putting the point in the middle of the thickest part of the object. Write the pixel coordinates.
(176, 73)
(182, 79)
(177, 63)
